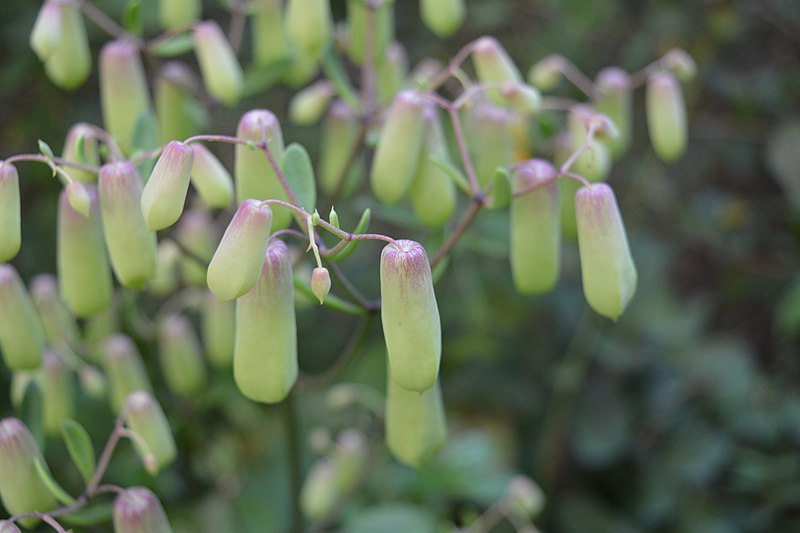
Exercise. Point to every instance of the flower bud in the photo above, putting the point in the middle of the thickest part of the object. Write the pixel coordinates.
(21, 488)
(308, 27)
(173, 14)
(546, 73)
(92, 381)
(425, 71)
(84, 275)
(10, 216)
(81, 147)
(520, 97)
(137, 510)
(58, 392)
(237, 263)
(219, 67)
(415, 423)
(525, 496)
(391, 72)
(165, 281)
(181, 356)
(410, 317)
(165, 192)
(399, 147)
(46, 34)
(432, 192)
(535, 228)
(69, 60)
(265, 372)
(212, 180)
(125, 370)
(320, 283)
(218, 330)
(666, 116)
(443, 17)
(59, 325)
(269, 38)
(613, 99)
(308, 105)
(681, 63)
(197, 234)
(78, 197)
(21, 333)
(349, 456)
(494, 66)
(607, 269)
(340, 136)
(255, 177)
(319, 495)
(180, 114)
(146, 418)
(358, 20)
(594, 163)
(492, 141)
(124, 95)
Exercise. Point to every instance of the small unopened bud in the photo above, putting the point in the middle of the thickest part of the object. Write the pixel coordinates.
(150, 463)
(165, 192)
(78, 197)
(59, 324)
(212, 180)
(320, 283)
(181, 356)
(21, 333)
(410, 317)
(165, 281)
(21, 488)
(666, 116)
(146, 418)
(10, 216)
(197, 233)
(92, 381)
(81, 147)
(358, 20)
(219, 67)
(180, 114)
(58, 392)
(391, 72)
(340, 135)
(492, 140)
(68, 60)
(432, 191)
(607, 269)
(308, 26)
(443, 17)
(125, 370)
(681, 63)
(415, 423)
(137, 510)
(236, 266)
(265, 372)
(319, 495)
(218, 330)
(173, 14)
(269, 38)
(333, 217)
(308, 105)
(493, 66)
(525, 496)
(613, 98)
(546, 73)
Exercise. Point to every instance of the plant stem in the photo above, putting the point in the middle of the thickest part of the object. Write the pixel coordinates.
(107, 24)
(457, 232)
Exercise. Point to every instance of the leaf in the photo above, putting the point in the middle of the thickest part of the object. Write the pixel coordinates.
(79, 446)
(332, 65)
(454, 173)
(100, 513)
(300, 175)
(393, 519)
(363, 224)
(31, 411)
(259, 79)
(174, 46)
(52, 485)
(132, 17)
(45, 149)
(145, 138)
(501, 192)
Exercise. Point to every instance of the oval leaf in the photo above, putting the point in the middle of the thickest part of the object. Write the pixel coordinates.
(501, 192)
(52, 485)
(453, 172)
(174, 46)
(300, 175)
(79, 446)
(363, 224)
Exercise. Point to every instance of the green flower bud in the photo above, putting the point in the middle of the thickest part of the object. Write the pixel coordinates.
(494, 66)
(319, 495)
(300, 71)
(535, 228)
(399, 147)
(69, 61)
(269, 39)
(238, 261)
(181, 356)
(165, 281)
(613, 99)
(320, 283)
(308, 27)
(666, 116)
(174, 14)
(350, 457)
(58, 392)
(81, 147)
(131, 246)
(607, 269)
(10, 216)
(218, 329)
(594, 163)
(92, 381)
(255, 177)
(219, 66)
(21, 488)
(308, 105)
(137, 510)
(520, 97)
(78, 197)
(146, 418)
(123, 91)
(681, 63)
(212, 180)
(443, 17)
(492, 140)
(266, 371)
(358, 21)
(98, 329)
(84, 275)
(165, 192)
(410, 317)
(21, 333)
(197, 234)
(391, 72)
(546, 73)
(415, 423)
(59, 324)
(180, 114)
(46, 33)
(340, 135)
(125, 370)
(425, 71)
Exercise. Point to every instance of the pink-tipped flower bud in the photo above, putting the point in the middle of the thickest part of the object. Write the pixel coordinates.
(57, 384)
(320, 283)
(84, 275)
(8, 527)
(520, 97)
(125, 370)
(443, 17)
(410, 317)
(92, 382)
(613, 99)
(415, 423)
(350, 458)
(219, 67)
(595, 162)
(198, 235)
(61, 42)
(21, 488)
(607, 269)
(165, 192)
(146, 418)
(59, 324)
(124, 95)
(492, 140)
(494, 66)
(681, 63)
(266, 372)
(78, 197)
(10, 215)
(309, 27)
(212, 180)
(340, 135)
(535, 228)
(137, 510)
(546, 73)
(666, 116)
(81, 147)
(131, 246)
(399, 147)
(236, 266)
(269, 38)
(180, 113)
(218, 329)
(181, 356)
(391, 73)
(46, 33)
(308, 106)
(21, 334)
(358, 20)
(165, 281)
(173, 14)
(254, 175)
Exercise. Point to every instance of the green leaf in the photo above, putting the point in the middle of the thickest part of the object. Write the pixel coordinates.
(393, 519)
(501, 192)
(52, 485)
(45, 149)
(300, 175)
(363, 224)
(174, 46)
(31, 411)
(145, 138)
(334, 71)
(79, 446)
(453, 172)
(132, 17)
(100, 513)
(260, 78)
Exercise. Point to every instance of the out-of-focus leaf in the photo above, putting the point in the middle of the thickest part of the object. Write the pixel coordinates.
(100, 513)
(579, 514)
(393, 519)
(132, 17)
(501, 192)
(174, 46)
(604, 426)
(31, 412)
(299, 173)
(362, 226)
(332, 65)
(145, 138)
(79, 446)
(453, 172)
(52, 485)
(259, 79)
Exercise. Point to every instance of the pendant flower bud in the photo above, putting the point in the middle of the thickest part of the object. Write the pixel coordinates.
(197, 234)
(410, 317)
(308, 105)
(165, 281)
(308, 26)
(614, 100)
(415, 423)
(146, 418)
(92, 381)
(81, 147)
(98, 329)
(607, 269)
(8, 527)
(269, 38)
(218, 329)
(180, 113)
(65, 52)
(358, 19)
(58, 392)
(594, 163)
(137, 510)
(681, 63)
(266, 371)
(443, 17)
(340, 135)
(666, 116)
(319, 495)
(520, 97)
(321, 283)
(46, 34)
(59, 324)
(173, 14)
(237, 264)
(349, 456)
(21, 333)
(10, 215)
(432, 191)
(399, 147)
(546, 73)
(492, 141)
(494, 66)
(125, 370)
(131, 246)
(212, 180)
(165, 192)
(391, 73)
(78, 197)
(525, 495)
(219, 66)
(181, 356)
